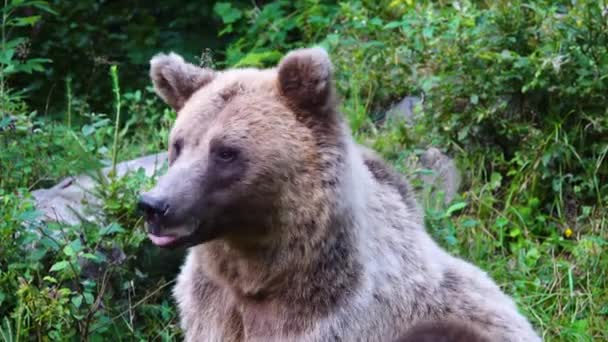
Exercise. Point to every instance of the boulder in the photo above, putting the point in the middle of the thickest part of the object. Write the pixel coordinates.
(444, 176)
(403, 110)
(68, 200)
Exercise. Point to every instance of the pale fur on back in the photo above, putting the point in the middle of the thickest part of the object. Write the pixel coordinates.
(367, 270)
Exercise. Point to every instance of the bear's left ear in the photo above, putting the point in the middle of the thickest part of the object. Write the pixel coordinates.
(176, 80)
(305, 79)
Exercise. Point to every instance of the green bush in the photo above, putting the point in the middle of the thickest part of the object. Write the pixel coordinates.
(85, 37)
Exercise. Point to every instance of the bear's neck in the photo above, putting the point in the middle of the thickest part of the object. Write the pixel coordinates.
(286, 286)
(313, 262)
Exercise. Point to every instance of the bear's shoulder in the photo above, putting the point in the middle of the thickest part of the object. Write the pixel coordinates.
(386, 174)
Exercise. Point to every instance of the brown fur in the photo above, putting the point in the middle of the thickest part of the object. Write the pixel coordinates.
(443, 331)
(305, 236)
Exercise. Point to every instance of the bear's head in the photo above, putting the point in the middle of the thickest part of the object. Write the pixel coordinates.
(251, 150)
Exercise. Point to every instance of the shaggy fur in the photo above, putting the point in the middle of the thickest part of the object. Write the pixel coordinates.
(443, 331)
(306, 236)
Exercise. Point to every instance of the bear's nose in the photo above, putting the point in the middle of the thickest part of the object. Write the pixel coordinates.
(153, 208)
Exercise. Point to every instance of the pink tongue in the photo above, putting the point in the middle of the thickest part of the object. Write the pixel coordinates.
(162, 240)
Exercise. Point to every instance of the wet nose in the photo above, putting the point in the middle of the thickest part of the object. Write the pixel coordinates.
(153, 208)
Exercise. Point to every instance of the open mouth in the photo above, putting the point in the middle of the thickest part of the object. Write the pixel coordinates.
(171, 237)
(167, 230)
(163, 240)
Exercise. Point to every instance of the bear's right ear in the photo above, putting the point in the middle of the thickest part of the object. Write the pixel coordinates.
(176, 80)
(305, 79)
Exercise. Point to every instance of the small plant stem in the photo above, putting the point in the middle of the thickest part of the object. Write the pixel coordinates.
(19, 322)
(116, 91)
(2, 78)
(68, 86)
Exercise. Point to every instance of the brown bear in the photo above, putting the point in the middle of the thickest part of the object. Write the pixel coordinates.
(297, 233)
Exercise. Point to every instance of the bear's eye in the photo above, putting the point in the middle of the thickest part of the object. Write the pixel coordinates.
(226, 154)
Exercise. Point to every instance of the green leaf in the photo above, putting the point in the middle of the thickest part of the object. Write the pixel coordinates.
(392, 25)
(111, 228)
(581, 325)
(6, 55)
(534, 202)
(38, 254)
(532, 256)
(258, 59)
(228, 13)
(474, 99)
(469, 223)
(24, 21)
(5, 122)
(64, 292)
(495, 180)
(43, 6)
(88, 298)
(67, 250)
(59, 266)
(73, 248)
(10, 69)
(451, 239)
(92, 257)
(87, 130)
(427, 32)
(456, 207)
(40, 60)
(50, 279)
(501, 222)
(515, 232)
(77, 300)
(376, 21)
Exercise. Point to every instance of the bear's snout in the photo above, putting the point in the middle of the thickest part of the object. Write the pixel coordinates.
(153, 209)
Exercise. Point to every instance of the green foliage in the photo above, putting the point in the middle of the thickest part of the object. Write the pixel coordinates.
(261, 35)
(13, 49)
(516, 91)
(61, 282)
(87, 36)
(88, 280)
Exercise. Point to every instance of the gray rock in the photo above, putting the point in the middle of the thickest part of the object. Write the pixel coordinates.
(73, 199)
(68, 200)
(403, 110)
(444, 177)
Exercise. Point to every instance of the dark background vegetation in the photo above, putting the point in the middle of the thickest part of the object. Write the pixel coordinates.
(516, 91)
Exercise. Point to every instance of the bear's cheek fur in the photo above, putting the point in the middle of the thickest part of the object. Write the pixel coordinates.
(236, 198)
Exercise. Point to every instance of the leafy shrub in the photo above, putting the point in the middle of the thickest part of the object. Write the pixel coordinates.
(88, 36)
(100, 280)
(261, 35)
(96, 280)
(14, 58)
(86, 280)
